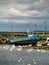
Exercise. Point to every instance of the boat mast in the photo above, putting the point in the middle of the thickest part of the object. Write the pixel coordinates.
(28, 33)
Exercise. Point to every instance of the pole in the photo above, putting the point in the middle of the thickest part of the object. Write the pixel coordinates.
(45, 28)
(35, 27)
(27, 29)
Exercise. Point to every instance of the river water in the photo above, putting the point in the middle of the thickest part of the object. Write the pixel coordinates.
(11, 55)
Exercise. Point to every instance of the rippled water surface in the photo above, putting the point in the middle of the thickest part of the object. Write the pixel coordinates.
(11, 55)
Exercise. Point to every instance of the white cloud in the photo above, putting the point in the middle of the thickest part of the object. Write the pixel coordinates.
(21, 6)
(39, 3)
(17, 12)
(42, 4)
(24, 13)
(20, 11)
(4, 20)
(34, 13)
(20, 21)
(14, 21)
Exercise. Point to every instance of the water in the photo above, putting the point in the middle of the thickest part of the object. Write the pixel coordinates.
(11, 55)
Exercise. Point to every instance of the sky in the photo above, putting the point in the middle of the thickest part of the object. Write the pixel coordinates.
(15, 15)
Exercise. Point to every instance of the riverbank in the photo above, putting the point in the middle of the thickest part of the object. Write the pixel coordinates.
(41, 47)
(28, 47)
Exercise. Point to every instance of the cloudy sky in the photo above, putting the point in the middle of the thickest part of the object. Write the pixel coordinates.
(18, 13)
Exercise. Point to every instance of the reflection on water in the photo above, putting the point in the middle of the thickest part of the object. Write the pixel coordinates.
(11, 55)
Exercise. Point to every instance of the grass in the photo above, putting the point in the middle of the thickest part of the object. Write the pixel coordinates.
(20, 36)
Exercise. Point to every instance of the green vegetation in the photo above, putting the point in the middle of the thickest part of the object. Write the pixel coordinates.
(43, 37)
(20, 36)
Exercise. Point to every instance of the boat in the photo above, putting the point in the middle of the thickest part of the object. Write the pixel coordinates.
(30, 39)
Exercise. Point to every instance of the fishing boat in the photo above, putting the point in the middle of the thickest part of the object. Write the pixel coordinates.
(30, 39)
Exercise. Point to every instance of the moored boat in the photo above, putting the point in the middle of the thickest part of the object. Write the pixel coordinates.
(30, 39)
